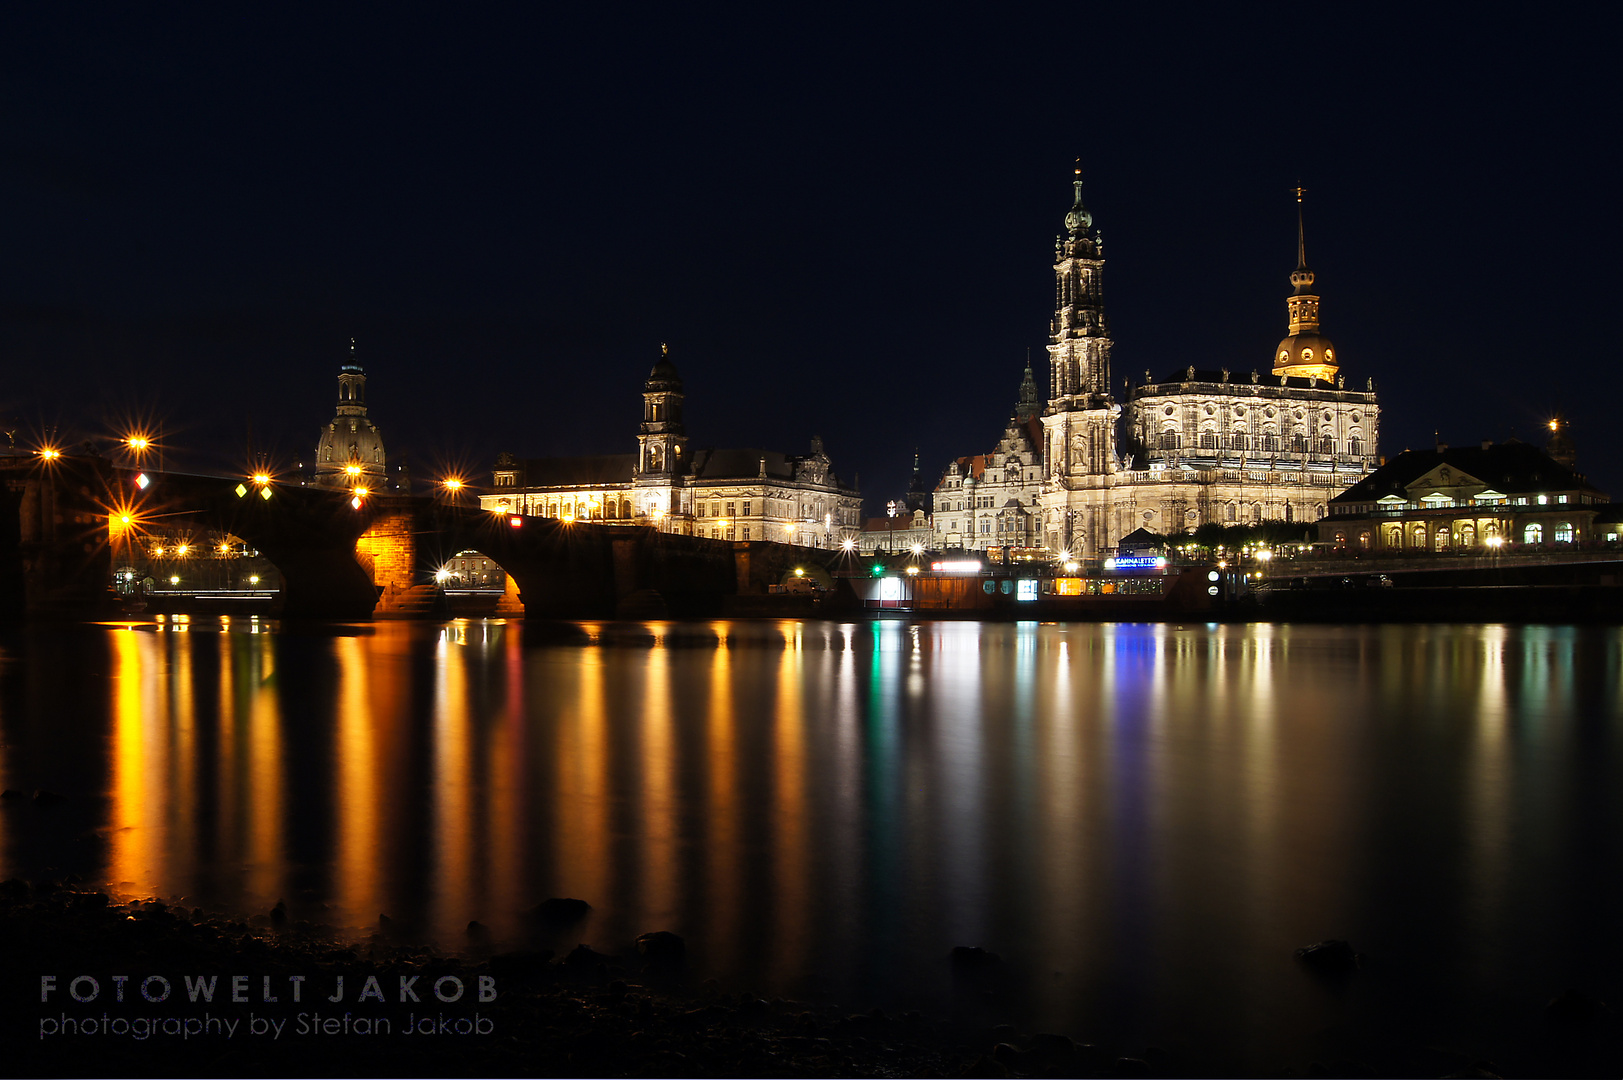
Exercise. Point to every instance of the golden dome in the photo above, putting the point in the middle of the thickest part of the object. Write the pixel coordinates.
(1307, 356)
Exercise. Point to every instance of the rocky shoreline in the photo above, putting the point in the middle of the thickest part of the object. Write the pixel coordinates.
(404, 1010)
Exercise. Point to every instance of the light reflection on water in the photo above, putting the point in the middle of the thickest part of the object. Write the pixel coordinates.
(1144, 820)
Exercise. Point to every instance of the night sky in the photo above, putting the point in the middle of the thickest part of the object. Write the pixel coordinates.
(841, 219)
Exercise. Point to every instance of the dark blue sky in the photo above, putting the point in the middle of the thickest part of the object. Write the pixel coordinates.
(842, 221)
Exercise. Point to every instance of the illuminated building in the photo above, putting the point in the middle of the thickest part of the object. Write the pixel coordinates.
(989, 502)
(1469, 499)
(745, 494)
(1199, 445)
(897, 534)
(350, 452)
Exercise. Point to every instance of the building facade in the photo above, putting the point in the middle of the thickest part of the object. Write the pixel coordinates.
(990, 502)
(1197, 445)
(350, 452)
(744, 494)
(1469, 498)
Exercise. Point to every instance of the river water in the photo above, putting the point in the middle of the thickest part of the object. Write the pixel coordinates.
(1142, 820)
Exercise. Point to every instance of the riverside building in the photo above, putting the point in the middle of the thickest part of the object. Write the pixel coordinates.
(742, 494)
(1196, 445)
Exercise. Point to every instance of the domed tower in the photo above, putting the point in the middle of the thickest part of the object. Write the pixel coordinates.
(662, 440)
(1305, 353)
(350, 453)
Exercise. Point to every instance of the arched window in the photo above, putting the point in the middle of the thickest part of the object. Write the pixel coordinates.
(1327, 445)
(1467, 535)
(1230, 511)
(1355, 446)
(1533, 534)
(1440, 541)
(1563, 532)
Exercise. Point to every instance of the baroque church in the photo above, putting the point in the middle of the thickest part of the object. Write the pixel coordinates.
(1193, 446)
(744, 494)
(349, 453)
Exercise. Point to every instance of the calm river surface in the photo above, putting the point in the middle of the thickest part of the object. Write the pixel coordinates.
(1143, 820)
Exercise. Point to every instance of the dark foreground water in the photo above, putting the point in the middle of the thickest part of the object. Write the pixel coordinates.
(1142, 820)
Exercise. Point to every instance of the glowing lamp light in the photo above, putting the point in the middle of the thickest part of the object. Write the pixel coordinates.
(362, 492)
(157, 553)
(50, 454)
(453, 484)
(1071, 566)
(912, 569)
(137, 442)
(441, 574)
(182, 549)
(253, 580)
(918, 549)
(848, 544)
(352, 470)
(878, 568)
(174, 579)
(1264, 555)
(225, 549)
(799, 572)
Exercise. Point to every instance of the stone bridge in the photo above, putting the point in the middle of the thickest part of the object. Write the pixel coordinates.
(62, 531)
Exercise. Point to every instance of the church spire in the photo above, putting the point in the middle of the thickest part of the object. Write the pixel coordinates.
(1305, 353)
(1079, 356)
(1302, 277)
(1077, 219)
(1028, 406)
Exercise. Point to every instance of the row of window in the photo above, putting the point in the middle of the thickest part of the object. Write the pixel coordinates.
(1290, 444)
(1420, 538)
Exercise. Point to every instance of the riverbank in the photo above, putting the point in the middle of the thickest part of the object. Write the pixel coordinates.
(143, 988)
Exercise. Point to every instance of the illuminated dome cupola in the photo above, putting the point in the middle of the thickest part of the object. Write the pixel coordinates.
(1306, 353)
(350, 451)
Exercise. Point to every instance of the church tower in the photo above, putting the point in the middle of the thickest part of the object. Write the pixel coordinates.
(1306, 353)
(662, 441)
(1028, 406)
(1079, 424)
(350, 451)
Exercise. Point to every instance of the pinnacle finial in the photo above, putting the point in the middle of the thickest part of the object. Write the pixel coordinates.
(1078, 220)
(664, 349)
(1301, 240)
